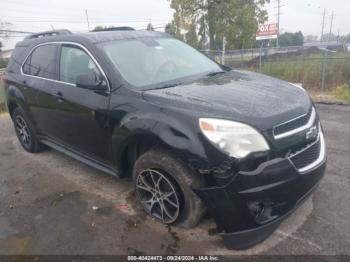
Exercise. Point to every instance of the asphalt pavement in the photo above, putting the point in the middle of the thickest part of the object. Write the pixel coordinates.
(48, 202)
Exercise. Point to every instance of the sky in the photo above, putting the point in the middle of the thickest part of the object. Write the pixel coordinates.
(41, 15)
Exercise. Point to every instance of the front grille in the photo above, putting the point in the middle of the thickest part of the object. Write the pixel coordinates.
(293, 124)
(307, 155)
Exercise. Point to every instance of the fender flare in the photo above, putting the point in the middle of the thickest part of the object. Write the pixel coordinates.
(168, 131)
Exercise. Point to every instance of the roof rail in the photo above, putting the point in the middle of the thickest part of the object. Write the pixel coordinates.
(119, 28)
(49, 33)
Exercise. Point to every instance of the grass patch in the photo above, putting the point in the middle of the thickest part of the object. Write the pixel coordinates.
(305, 68)
(308, 70)
(342, 92)
(3, 62)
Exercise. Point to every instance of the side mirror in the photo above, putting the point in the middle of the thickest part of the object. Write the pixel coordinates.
(91, 82)
(225, 68)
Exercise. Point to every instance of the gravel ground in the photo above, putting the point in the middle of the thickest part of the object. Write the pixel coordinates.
(46, 205)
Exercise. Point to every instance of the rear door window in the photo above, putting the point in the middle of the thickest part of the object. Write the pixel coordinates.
(42, 62)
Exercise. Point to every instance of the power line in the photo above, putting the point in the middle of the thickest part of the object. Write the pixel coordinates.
(14, 31)
(108, 18)
(82, 21)
(12, 36)
(37, 8)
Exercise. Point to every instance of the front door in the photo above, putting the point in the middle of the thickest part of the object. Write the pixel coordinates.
(80, 118)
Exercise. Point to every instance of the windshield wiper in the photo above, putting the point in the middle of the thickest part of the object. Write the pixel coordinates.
(167, 86)
(215, 73)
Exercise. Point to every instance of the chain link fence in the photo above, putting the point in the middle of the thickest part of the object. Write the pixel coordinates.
(323, 71)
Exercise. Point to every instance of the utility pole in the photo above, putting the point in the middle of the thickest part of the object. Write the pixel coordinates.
(223, 51)
(260, 56)
(331, 27)
(326, 54)
(323, 24)
(87, 19)
(279, 6)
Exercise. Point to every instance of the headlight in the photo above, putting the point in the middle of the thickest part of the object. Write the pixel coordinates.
(300, 86)
(234, 138)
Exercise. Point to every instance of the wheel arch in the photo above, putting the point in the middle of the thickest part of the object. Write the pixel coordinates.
(11, 107)
(137, 137)
(134, 147)
(14, 99)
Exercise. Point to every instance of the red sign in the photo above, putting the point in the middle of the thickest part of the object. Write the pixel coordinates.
(268, 31)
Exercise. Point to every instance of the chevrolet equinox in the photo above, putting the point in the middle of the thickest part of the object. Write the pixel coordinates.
(194, 135)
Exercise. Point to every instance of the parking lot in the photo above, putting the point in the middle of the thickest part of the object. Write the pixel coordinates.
(47, 200)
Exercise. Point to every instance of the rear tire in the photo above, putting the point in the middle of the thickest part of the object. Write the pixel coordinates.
(172, 175)
(25, 132)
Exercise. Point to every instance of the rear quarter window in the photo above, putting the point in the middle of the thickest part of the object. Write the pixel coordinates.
(16, 60)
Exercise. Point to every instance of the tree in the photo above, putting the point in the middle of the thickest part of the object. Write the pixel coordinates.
(345, 39)
(310, 38)
(3, 34)
(99, 27)
(191, 35)
(291, 39)
(170, 29)
(237, 20)
(150, 27)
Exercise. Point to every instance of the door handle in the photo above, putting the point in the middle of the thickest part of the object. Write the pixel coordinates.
(24, 84)
(59, 96)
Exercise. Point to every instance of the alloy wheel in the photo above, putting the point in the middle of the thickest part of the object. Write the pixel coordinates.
(23, 131)
(158, 195)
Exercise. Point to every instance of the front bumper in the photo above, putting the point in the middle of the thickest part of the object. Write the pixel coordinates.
(253, 204)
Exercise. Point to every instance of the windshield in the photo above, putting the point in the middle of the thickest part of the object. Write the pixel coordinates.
(155, 61)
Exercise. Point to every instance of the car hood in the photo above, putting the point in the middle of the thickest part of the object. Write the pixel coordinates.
(248, 97)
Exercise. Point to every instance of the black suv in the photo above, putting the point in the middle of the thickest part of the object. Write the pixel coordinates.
(195, 135)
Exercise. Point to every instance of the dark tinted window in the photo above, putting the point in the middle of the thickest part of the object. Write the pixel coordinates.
(75, 62)
(42, 62)
(15, 61)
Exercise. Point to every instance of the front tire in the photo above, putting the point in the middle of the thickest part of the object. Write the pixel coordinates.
(25, 132)
(163, 186)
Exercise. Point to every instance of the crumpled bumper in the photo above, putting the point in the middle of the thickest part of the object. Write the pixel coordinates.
(250, 207)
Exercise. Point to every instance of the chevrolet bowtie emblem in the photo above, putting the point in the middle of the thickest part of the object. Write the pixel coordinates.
(312, 133)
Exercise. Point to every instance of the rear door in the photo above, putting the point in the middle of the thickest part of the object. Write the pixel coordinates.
(38, 76)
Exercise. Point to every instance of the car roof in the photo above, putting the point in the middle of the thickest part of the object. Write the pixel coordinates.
(93, 37)
(106, 36)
